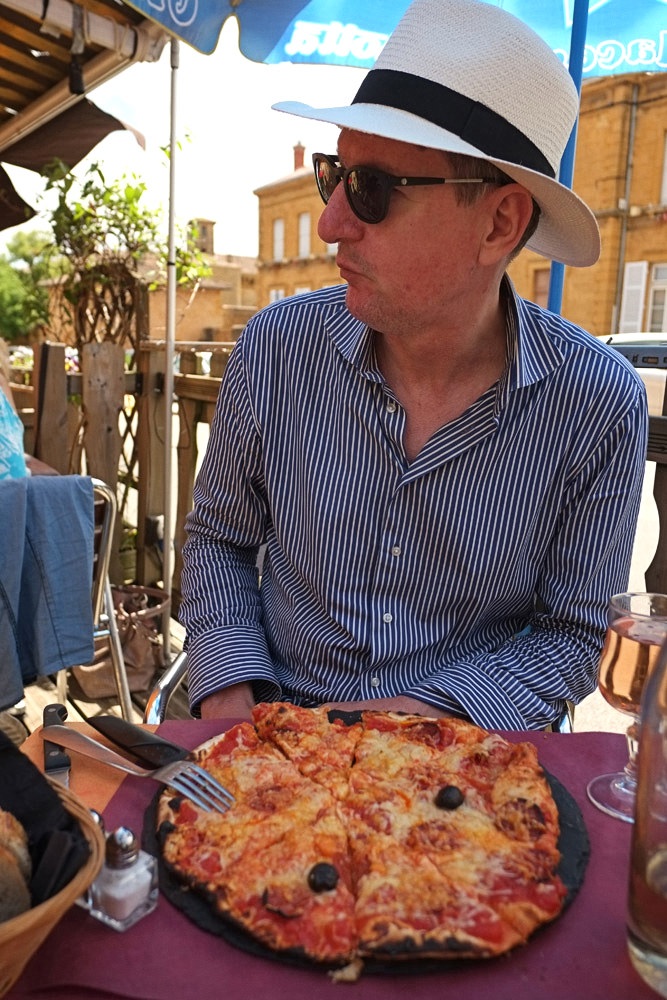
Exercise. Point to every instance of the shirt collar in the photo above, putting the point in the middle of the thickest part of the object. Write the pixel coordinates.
(353, 339)
(532, 354)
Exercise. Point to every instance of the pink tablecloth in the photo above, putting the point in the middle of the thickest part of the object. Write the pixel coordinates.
(164, 957)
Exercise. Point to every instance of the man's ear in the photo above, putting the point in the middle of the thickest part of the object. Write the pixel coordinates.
(510, 208)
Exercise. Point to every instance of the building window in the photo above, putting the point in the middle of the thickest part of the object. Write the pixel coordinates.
(301, 289)
(657, 307)
(541, 279)
(278, 239)
(275, 294)
(332, 249)
(304, 234)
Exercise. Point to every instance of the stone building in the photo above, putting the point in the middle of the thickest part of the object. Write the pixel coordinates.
(621, 172)
(221, 305)
(292, 257)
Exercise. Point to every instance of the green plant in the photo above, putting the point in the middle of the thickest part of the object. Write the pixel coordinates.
(109, 247)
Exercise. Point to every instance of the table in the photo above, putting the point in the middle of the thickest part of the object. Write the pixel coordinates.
(582, 956)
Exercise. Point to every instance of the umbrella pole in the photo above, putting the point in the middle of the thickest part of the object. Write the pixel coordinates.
(167, 538)
(566, 173)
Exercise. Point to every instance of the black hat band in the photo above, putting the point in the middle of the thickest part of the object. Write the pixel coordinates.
(471, 121)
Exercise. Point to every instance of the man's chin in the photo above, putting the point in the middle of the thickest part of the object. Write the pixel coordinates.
(358, 305)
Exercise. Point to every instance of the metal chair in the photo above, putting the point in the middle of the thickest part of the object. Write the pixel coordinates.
(104, 617)
(158, 700)
(565, 722)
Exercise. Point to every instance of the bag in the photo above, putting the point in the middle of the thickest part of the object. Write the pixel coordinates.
(138, 616)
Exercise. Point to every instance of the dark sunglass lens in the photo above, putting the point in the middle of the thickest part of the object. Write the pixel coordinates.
(327, 178)
(368, 194)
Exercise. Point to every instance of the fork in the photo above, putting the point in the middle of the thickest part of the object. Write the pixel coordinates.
(183, 776)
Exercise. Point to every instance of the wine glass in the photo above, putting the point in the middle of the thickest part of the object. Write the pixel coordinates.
(636, 627)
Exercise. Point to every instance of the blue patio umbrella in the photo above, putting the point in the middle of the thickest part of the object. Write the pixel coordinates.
(621, 36)
(592, 37)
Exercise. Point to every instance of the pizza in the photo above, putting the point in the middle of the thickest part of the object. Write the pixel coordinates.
(385, 836)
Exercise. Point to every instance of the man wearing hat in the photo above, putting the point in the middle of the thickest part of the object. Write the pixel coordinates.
(445, 476)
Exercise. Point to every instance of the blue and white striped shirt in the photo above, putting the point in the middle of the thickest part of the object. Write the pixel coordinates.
(384, 577)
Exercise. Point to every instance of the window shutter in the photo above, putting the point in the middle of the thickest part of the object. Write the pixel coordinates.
(304, 234)
(632, 300)
(278, 239)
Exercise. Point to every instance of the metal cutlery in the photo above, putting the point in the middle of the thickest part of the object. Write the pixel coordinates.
(145, 746)
(56, 761)
(182, 776)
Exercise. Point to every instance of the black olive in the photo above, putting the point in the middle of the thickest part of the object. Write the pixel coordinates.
(449, 797)
(322, 877)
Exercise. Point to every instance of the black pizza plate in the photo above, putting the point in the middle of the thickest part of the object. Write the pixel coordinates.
(573, 844)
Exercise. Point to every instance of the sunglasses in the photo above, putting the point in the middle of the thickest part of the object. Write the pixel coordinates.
(368, 190)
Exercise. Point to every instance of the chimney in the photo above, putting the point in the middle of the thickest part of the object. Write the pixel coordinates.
(299, 151)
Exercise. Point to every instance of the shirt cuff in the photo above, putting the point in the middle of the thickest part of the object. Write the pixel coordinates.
(225, 656)
(480, 697)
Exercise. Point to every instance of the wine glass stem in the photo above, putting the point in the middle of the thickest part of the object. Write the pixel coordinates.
(630, 769)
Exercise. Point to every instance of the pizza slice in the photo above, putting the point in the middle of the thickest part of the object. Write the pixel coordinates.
(453, 830)
(408, 908)
(276, 864)
(321, 749)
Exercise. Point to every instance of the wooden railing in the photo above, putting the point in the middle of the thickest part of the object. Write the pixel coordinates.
(196, 396)
(52, 422)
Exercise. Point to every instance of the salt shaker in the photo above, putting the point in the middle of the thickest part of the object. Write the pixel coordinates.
(126, 888)
(647, 904)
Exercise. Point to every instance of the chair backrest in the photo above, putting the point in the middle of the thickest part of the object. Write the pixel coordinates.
(104, 618)
(105, 520)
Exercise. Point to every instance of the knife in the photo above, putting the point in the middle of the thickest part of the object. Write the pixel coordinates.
(56, 761)
(150, 749)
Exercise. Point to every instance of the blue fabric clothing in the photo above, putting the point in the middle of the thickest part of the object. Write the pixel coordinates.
(12, 458)
(385, 577)
(46, 572)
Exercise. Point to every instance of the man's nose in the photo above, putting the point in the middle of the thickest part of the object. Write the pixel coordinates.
(337, 220)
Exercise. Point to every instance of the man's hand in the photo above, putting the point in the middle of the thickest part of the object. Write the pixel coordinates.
(233, 701)
(401, 704)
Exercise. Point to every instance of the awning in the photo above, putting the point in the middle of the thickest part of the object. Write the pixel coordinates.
(13, 209)
(69, 137)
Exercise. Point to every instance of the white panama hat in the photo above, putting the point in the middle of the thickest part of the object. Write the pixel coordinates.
(467, 77)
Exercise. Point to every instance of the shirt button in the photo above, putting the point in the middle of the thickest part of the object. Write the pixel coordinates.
(387, 617)
(375, 682)
(391, 406)
(396, 550)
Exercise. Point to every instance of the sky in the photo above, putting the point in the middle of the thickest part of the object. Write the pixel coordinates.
(231, 142)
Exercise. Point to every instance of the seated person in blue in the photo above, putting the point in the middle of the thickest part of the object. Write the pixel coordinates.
(12, 466)
(445, 476)
(12, 457)
(14, 463)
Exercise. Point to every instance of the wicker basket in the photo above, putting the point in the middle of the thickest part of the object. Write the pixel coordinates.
(21, 937)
